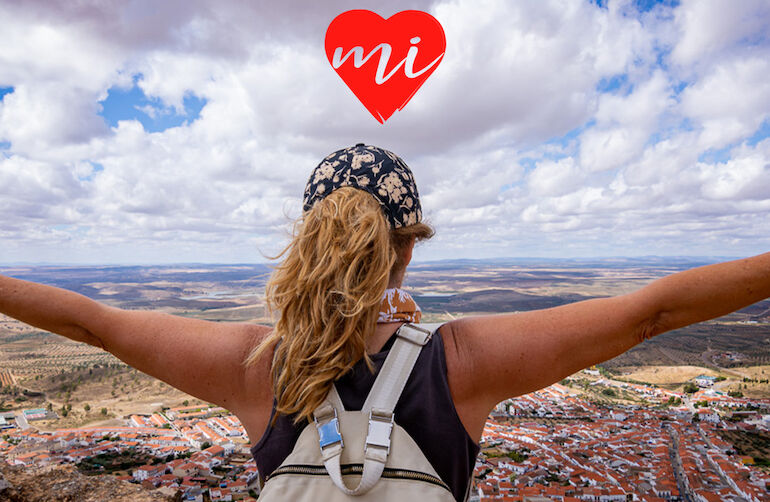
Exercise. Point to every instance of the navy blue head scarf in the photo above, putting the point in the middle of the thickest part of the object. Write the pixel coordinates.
(375, 170)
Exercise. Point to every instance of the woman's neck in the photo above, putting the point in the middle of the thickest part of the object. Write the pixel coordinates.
(381, 334)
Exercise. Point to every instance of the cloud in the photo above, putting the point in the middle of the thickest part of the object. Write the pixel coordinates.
(548, 129)
(713, 29)
(730, 101)
(744, 178)
(553, 178)
(624, 124)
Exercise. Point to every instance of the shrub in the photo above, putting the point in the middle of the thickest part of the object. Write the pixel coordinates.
(516, 456)
(690, 388)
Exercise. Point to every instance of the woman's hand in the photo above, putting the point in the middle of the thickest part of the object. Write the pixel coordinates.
(201, 358)
(502, 356)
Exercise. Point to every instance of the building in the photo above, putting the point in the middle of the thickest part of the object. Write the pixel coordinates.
(704, 380)
(148, 471)
(36, 414)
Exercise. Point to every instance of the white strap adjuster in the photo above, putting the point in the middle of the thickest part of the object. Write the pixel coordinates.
(380, 427)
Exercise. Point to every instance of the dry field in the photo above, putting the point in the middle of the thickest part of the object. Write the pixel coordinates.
(6, 378)
(244, 313)
(673, 376)
(39, 353)
(542, 279)
(665, 374)
(758, 372)
(122, 391)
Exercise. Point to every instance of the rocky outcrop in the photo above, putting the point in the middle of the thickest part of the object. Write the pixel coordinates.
(63, 483)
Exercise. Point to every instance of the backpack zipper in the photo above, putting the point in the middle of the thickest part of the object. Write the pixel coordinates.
(388, 472)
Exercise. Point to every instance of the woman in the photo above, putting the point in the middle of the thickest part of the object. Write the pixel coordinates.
(361, 219)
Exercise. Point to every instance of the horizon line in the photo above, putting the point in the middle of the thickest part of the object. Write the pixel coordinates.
(415, 262)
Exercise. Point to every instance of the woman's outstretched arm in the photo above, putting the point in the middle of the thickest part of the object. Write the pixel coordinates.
(199, 357)
(503, 356)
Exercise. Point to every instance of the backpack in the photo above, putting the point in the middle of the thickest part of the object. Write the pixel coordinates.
(362, 455)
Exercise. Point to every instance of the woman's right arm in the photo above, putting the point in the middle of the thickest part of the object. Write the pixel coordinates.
(49, 308)
(502, 356)
(202, 358)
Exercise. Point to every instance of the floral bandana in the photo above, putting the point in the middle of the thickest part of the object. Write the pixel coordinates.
(379, 172)
(398, 305)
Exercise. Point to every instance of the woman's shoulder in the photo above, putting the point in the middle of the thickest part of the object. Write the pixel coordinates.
(255, 413)
(459, 368)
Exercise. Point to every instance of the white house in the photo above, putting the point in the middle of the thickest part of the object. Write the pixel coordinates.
(708, 415)
(704, 380)
(149, 471)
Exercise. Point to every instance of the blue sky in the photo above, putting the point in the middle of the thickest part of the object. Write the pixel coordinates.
(578, 129)
(152, 113)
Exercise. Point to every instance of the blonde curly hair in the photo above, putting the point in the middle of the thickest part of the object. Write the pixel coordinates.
(327, 291)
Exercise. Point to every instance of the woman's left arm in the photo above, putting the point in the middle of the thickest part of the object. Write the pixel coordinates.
(501, 356)
(707, 292)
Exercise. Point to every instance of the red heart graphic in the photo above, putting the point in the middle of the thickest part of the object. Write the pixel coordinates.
(384, 61)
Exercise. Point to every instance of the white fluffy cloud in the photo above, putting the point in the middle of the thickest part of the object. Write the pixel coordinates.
(624, 124)
(549, 128)
(730, 102)
(711, 29)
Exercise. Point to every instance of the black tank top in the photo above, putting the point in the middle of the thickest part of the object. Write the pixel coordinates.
(425, 410)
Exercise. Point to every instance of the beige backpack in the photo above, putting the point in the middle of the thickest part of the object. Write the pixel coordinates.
(363, 454)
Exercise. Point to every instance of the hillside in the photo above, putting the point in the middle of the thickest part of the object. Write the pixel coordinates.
(64, 483)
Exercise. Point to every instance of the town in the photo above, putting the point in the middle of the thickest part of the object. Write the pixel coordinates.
(554, 444)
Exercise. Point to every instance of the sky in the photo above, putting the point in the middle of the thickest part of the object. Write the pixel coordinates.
(184, 131)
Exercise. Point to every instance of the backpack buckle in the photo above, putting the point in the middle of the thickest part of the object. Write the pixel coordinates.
(329, 432)
(380, 427)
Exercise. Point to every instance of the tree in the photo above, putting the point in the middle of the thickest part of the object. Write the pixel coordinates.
(104, 411)
(516, 456)
(185, 402)
(690, 388)
(87, 407)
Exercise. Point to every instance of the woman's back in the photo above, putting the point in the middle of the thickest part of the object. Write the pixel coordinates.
(425, 410)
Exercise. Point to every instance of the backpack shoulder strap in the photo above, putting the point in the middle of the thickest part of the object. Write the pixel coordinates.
(430, 326)
(398, 366)
(379, 405)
